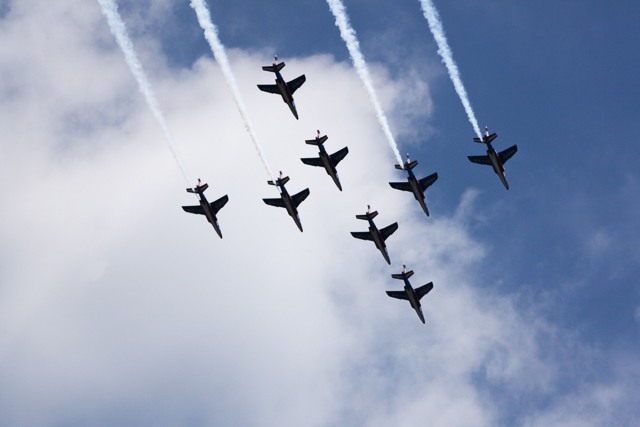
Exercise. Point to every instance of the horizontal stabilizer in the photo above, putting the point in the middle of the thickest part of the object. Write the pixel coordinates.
(388, 231)
(299, 198)
(367, 216)
(423, 290)
(507, 154)
(402, 186)
(274, 202)
(362, 235)
(478, 140)
(313, 161)
(398, 294)
(339, 155)
(198, 189)
(481, 160)
(317, 141)
(273, 69)
(428, 181)
(279, 182)
(296, 83)
(492, 137)
(194, 209)
(269, 88)
(403, 276)
(218, 204)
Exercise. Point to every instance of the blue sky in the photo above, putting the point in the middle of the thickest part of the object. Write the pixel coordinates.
(117, 307)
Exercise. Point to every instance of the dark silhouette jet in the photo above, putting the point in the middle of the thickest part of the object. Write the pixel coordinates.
(414, 185)
(410, 294)
(282, 88)
(377, 236)
(207, 209)
(496, 160)
(328, 162)
(290, 203)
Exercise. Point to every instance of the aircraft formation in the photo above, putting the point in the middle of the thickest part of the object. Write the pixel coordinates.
(329, 162)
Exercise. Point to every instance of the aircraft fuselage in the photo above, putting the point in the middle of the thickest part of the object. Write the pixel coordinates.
(287, 97)
(208, 213)
(417, 191)
(290, 206)
(329, 166)
(378, 240)
(498, 168)
(413, 299)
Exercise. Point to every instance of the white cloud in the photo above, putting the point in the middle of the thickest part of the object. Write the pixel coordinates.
(117, 308)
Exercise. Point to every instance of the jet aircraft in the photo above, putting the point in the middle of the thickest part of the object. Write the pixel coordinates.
(286, 90)
(414, 185)
(496, 160)
(375, 235)
(329, 162)
(290, 203)
(209, 210)
(410, 294)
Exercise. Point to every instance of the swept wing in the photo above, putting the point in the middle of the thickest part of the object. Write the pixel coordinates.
(339, 155)
(296, 83)
(423, 290)
(362, 235)
(481, 160)
(299, 198)
(269, 88)
(428, 181)
(398, 294)
(388, 231)
(507, 154)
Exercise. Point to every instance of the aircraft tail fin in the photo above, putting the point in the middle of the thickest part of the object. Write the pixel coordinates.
(407, 166)
(273, 69)
(402, 276)
(317, 141)
(279, 182)
(199, 189)
(368, 215)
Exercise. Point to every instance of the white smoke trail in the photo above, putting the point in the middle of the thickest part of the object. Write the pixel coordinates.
(349, 36)
(118, 29)
(211, 34)
(435, 24)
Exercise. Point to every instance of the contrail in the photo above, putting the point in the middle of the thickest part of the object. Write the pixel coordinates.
(211, 34)
(349, 36)
(435, 24)
(118, 29)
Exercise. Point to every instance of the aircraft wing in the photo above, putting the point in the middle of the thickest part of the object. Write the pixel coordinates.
(403, 186)
(269, 88)
(362, 235)
(299, 198)
(388, 231)
(313, 161)
(296, 83)
(423, 290)
(339, 155)
(274, 202)
(426, 182)
(218, 204)
(194, 209)
(398, 294)
(481, 160)
(507, 154)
